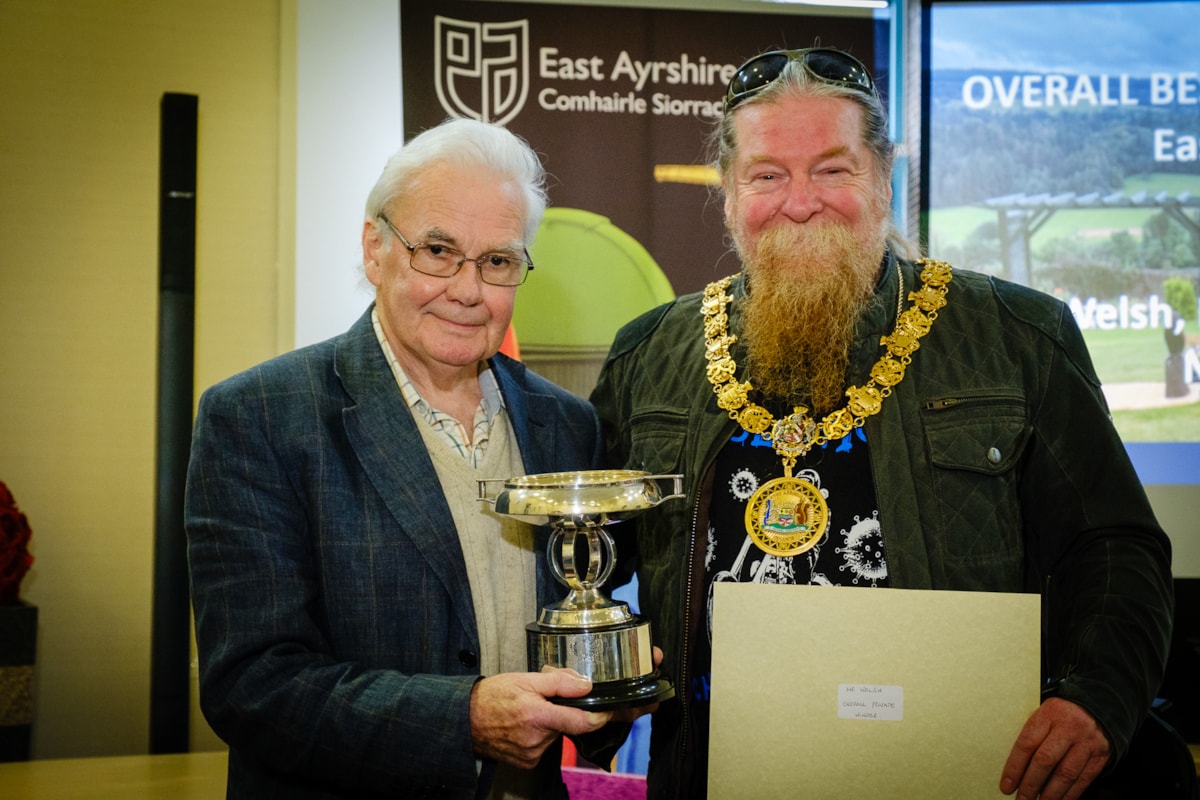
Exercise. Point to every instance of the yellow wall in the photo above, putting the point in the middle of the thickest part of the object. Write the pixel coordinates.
(80, 88)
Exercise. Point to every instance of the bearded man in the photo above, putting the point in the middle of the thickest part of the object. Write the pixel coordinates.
(846, 415)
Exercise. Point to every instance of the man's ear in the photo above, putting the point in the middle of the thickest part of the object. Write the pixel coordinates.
(372, 251)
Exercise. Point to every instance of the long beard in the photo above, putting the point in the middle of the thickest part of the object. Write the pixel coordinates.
(808, 287)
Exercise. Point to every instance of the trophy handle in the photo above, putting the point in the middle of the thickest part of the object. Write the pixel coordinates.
(676, 486)
(488, 493)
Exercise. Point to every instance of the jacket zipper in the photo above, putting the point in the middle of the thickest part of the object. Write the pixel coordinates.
(942, 403)
(685, 701)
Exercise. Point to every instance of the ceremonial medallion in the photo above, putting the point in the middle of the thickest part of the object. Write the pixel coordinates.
(787, 516)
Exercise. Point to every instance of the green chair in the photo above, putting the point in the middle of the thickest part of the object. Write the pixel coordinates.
(590, 278)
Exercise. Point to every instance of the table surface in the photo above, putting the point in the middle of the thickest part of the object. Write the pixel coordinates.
(181, 776)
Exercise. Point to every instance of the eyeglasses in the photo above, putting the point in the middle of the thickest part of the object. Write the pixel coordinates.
(824, 64)
(442, 261)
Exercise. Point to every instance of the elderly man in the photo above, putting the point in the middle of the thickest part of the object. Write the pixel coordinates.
(845, 415)
(350, 590)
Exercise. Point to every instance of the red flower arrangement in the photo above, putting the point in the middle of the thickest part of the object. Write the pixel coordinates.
(14, 547)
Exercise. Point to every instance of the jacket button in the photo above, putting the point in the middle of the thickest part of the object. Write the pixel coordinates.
(993, 455)
(467, 658)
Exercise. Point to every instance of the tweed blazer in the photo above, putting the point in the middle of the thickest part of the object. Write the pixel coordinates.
(336, 634)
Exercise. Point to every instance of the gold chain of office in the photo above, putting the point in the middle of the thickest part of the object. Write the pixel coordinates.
(787, 516)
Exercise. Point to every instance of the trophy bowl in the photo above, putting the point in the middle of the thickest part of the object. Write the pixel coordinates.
(587, 631)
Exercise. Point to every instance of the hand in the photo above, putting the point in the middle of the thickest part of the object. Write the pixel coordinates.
(512, 721)
(1058, 753)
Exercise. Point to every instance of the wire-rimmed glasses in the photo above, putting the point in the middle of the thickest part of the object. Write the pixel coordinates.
(442, 261)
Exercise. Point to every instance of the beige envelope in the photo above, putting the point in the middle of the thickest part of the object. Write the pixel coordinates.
(822, 692)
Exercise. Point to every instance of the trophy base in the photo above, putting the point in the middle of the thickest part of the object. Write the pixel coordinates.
(621, 694)
(617, 659)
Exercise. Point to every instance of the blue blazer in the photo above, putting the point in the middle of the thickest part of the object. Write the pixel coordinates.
(336, 633)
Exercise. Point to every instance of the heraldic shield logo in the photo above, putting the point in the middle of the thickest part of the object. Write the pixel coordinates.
(482, 68)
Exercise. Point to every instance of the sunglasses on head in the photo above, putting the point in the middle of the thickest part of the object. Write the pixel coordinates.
(824, 64)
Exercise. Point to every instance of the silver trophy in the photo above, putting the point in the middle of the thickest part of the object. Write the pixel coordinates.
(587, 631)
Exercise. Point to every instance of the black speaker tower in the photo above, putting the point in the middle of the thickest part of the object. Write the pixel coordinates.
(170, 643)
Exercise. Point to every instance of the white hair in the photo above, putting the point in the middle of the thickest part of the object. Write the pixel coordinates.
(469, 144)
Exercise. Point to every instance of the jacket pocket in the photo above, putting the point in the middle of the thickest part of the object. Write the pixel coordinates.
(975, 444)
(656, 440)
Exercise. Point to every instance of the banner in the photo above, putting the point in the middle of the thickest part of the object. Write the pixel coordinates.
(618, 101)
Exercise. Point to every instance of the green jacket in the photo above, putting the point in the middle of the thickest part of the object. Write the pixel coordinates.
(996, 468)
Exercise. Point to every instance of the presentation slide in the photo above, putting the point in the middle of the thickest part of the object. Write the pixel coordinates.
(1062, 153)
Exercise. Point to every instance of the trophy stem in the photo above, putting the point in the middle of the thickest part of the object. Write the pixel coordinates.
(564, 561)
